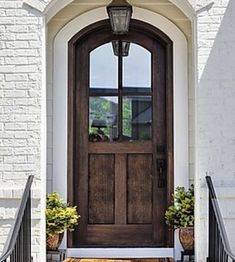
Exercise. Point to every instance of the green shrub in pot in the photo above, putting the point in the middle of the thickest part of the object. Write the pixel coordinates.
(181, 215)
(59, 217)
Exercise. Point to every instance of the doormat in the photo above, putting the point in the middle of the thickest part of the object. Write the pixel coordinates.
(120, 260)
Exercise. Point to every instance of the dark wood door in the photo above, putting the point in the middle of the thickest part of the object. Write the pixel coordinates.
(119, 158)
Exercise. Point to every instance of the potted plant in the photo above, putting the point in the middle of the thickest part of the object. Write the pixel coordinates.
(59, 217)
(181, 215)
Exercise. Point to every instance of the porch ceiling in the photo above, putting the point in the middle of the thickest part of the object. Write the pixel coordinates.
(78, 7)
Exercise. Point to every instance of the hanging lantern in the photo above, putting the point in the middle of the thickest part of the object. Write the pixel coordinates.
(119, 12)
(124, 45)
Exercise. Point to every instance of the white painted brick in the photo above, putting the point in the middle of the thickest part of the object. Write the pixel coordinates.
(14, 159)
(14, 143)
(2, 12)
(14, 93)
(34, 44)
(8, 36)
(6, 151)
(7, 118)
(2, 45)
(26, 150)
(6, 68)
(16, 77)
(35, 76)
(15, 109)
(16, 12)
(26, 52)
(2, 28)
(27, 21)
(26, 69)
(16, 28)
(16, 60)
(2, 61)
(7, 20)
(32, 126)
(25, 118)
(3, 239)
(17, 44)
(8, 85)
(34, 109)
(2, 77)
(8, 4)
(34, 93)
(28, 36)
(15, 126)
(6, 52)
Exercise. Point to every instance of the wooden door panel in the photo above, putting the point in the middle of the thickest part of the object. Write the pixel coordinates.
(101, 189)
(121, 147)
(120, 234)
(139, 188)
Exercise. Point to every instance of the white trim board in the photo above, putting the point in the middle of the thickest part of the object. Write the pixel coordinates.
(60, 71)
(56, 5)
(120, 252)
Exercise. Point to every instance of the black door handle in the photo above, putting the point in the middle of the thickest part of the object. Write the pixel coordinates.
(161, 168)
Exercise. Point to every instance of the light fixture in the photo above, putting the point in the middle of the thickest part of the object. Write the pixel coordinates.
(125, 48)
(119, 12)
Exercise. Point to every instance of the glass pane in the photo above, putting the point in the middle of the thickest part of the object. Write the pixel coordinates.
(137, 117)
(137, 69)
(103, 119)
(103, 68)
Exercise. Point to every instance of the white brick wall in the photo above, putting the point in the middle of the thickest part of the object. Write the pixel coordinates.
(215, 108)
(20, 112)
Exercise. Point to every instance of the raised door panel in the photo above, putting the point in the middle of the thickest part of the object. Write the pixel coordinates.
(101, 189)
(140, 189)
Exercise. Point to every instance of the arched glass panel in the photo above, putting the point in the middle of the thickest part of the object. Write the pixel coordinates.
(120, 108)
(137, 69)
(103, 68)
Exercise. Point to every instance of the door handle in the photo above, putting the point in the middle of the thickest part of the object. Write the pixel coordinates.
(161, 168)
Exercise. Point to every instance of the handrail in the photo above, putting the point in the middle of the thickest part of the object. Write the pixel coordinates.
(217, 231)
(19, 231)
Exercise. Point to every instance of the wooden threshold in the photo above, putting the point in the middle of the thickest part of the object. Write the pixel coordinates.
(121, 260)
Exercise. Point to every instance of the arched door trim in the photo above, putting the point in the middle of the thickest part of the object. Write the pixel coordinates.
(60, 93)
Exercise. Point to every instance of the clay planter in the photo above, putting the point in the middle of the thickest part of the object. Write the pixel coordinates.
(186, 237)
(53, 242)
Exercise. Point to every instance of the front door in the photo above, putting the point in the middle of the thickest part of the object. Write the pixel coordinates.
(120, 138)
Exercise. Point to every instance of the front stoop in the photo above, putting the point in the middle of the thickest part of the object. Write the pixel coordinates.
(55, 256)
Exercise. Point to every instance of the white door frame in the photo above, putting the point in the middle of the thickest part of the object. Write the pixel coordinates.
(60, 87)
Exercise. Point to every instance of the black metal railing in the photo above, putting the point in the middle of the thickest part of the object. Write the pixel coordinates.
(219, 247)
(18, 245)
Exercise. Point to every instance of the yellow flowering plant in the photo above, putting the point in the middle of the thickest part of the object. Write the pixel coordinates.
(59, 215)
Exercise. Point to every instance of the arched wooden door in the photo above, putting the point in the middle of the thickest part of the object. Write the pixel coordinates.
(120, 135)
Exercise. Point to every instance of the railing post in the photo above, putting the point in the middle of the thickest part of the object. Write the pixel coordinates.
(218, 246)
(18, 245)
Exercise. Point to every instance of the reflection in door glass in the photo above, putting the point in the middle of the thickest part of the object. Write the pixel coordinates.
(103, 68)
(103, 119)
(137, 117)
(137, 68)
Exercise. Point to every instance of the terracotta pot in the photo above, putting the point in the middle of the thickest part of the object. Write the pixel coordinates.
(53, 242)
(186, 237)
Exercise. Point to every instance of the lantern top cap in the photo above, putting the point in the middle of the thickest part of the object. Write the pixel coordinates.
(119, 3)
